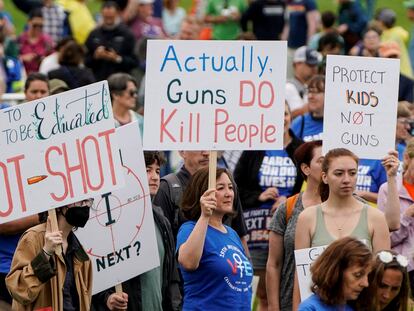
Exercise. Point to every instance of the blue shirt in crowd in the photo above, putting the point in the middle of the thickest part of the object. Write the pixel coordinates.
(223, 278)
(307, 127)
(371, 175)
(314, 303)
(277, 170)
(8, 246)
(298, 25)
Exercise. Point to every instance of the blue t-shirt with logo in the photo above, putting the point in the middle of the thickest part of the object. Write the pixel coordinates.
(371, 175)
(277, 170)
(8, 244)
(307, 127)
(223, 279)
(314, 303)
(298, 25)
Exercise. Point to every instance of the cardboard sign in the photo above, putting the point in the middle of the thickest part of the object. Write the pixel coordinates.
(361, 96)
(57, 150)
(120, 234)
(214, 95)
(304, 258)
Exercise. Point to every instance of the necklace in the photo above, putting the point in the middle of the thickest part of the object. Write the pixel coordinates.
(341, 226)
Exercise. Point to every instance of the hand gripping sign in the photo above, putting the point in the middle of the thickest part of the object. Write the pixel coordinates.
(214, 95)
(120, 234)
(57, 150)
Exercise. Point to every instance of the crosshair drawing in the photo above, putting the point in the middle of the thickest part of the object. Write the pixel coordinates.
(114, 211)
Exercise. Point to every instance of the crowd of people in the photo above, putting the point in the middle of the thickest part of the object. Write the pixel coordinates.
(265, 205)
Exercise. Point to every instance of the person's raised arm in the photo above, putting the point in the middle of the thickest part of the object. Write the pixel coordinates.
(33, 265)
(380, 233)
(391, 208)
(19, 225)
(190, 252)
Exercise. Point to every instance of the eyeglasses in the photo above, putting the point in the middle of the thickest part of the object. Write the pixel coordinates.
(133, 93)
(313, 91)
(404, 121)
(37, 25)
(387, 257)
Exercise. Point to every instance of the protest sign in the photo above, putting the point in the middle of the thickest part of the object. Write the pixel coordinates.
(361, 96)
(57, 150)
(214, 95)
(303, 259)
(120, 234)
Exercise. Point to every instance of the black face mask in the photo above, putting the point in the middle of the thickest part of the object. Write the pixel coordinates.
(77, 216)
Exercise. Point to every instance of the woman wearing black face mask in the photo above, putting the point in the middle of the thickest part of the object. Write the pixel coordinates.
(41, 279)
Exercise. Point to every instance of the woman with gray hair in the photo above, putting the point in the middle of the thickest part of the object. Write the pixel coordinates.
(124, 92)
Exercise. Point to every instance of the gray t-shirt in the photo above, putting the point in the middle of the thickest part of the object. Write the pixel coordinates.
(279, 226)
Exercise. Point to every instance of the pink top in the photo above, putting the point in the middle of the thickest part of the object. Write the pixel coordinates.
(151, 28)
(42, 47)
(402, 240)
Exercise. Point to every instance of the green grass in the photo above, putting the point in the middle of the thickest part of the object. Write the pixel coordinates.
(396, 5)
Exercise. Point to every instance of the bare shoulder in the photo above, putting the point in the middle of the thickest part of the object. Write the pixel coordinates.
(305, 227)
(309, 213)
(374, 213)
(376, 219)
(307, 218)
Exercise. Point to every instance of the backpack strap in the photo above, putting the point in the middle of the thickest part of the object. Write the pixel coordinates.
(176, 193)
(290, 206)
(175, 188)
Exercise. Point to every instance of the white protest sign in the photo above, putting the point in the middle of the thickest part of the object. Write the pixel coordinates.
(214, 95)
(120, 234)
(361, 96)
(57, 150)
(303, 259)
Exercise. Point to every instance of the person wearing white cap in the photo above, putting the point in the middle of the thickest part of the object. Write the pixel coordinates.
(145, 25)
(305, 65)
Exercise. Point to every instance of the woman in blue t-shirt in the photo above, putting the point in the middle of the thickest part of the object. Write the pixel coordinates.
(339, 275)
(216, 272)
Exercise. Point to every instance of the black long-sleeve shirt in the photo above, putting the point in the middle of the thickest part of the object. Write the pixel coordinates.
(121, 40)
(267, 17)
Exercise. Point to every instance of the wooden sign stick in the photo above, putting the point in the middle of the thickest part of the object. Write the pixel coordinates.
(55, 227)
(212, 168)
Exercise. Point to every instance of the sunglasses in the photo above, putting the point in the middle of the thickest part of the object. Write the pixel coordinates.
(133, 93)
(387, 257)
(37, 25)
